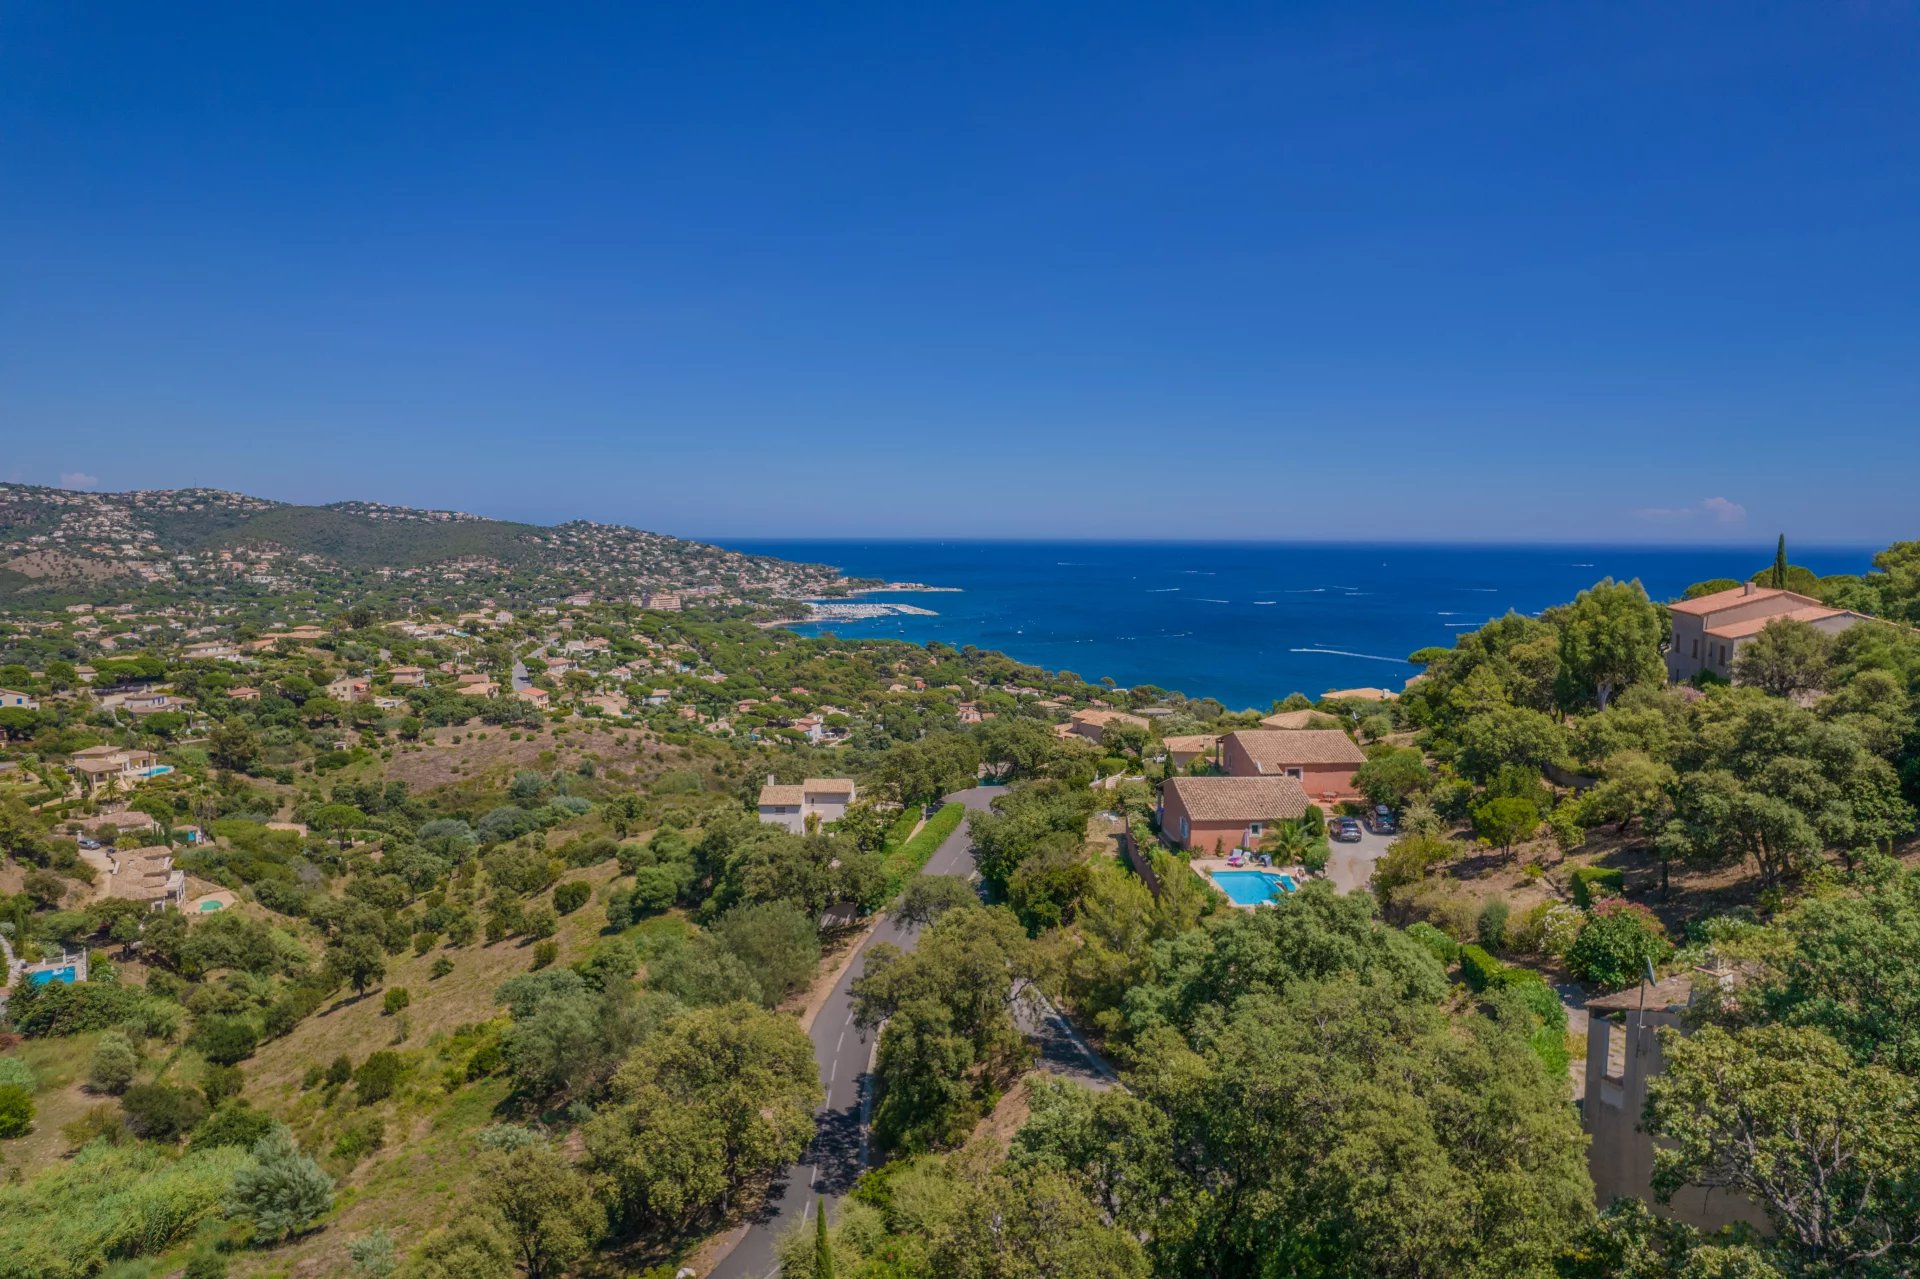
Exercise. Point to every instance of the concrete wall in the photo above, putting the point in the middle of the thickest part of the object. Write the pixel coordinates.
(1620, 1158)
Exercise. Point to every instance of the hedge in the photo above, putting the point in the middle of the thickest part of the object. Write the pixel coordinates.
(905, 862)
(1480, 970)
(1438, 944)
(1584, 880)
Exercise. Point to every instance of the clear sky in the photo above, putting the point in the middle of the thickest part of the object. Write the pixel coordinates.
(1494, 271)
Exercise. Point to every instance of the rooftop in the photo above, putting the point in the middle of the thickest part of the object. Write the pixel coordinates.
(1237, 799)
(1272, 749)
(1706, 605)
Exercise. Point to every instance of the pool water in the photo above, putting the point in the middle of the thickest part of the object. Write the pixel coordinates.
(1252, 887)
(211, 905)
(50, 975)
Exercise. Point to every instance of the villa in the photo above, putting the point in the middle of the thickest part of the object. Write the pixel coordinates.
(825, 798)
(408, 676)
(10, 699)
(1092, 724)
(1708, 631)
(99, 763)
(1219, 814)
(1182, 751)
(1322, 760)
(147, 875)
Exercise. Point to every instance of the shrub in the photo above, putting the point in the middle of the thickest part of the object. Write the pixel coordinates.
(16, 1111)
(280, 1191)
(220, 1082)
(1442, 947)
(377, 1077)
(1479, 969)
(205, 1265)
(396, 998)
(339, 1070)
(15, 1071)
(1586, 879)
(545, 953)
(234, 1124)
(1492, 924)
(1617, 943)
(160, 1112)
(226, 1040)
(112, 1066)
(442, 965)
(571, 896)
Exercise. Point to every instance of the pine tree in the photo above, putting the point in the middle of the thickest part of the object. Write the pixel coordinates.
(1780, 564)
(822, 1249)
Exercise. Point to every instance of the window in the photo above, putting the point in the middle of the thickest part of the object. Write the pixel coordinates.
(1696, 646)
(1185, 834)
(1293, 772)
(1253, 829)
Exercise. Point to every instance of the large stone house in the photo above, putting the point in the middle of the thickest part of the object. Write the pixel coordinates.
(147, 876)
(826, 798)
(1219, 814)
(1708, 631)
(96, 764)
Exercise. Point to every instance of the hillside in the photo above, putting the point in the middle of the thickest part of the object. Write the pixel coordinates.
(59, 544)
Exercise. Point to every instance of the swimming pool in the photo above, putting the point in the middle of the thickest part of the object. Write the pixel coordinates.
(1252, 887)
(47, 976)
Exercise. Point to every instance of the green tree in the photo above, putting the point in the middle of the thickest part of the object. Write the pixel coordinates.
(1779, 582)
(1610, 640)
(233, 745)
(357, 959)
(927, 897)
(548, 1208)
(1786, 658)
(1505, 822)
(822, 1245)
(280, 1192)
(1392, 777)
(1826, 1146)
(776, 941)
(113, 1064)
(719, 1098)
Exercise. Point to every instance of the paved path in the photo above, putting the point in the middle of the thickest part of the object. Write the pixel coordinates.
(839, 1151)
(1350, 866)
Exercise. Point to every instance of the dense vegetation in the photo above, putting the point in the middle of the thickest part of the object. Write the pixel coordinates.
(553, 946)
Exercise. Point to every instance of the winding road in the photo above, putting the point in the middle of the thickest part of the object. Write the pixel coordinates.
(844, 1052)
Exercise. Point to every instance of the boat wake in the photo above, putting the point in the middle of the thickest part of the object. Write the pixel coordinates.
(1341, 652)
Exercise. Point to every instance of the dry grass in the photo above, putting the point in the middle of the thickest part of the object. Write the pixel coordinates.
(356, 1026)
(490, 755)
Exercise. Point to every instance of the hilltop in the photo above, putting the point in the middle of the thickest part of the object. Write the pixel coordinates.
(58, 544)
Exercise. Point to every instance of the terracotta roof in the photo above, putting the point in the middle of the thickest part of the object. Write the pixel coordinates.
(1359, 694)
(1104, 718)
(828, 785)
(1704, 605)
(1272, 750)
(1754, 625)
(1199, 742)
(782, 796)
(1299, 719)
(1236, 799)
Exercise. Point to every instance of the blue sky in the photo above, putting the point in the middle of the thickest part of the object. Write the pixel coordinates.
(1510, 272)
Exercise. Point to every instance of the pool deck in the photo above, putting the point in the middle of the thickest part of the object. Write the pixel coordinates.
(1205, 866)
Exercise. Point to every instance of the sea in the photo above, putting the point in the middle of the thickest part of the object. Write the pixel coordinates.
(1244, 623)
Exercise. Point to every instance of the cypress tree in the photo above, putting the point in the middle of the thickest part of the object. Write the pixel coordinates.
(822, 1249)
(1780, 564)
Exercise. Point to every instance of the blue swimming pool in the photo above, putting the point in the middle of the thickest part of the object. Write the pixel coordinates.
(45, 976)
(1251, 887)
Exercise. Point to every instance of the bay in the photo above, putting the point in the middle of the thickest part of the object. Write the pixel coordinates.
(1246, 623)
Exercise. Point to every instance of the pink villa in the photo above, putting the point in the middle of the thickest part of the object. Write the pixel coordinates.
(1220, 814)
(1708, 631)
(1322, 760)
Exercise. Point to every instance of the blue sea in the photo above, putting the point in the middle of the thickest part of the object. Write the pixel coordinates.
(1244, 623)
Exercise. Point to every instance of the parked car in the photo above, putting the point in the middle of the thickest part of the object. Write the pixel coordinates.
(1382, 820)
(89, 843)
(1346, 830)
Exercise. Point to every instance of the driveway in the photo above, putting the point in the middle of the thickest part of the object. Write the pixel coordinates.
(1351, 866)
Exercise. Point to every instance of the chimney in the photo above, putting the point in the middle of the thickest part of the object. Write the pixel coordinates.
(769, 779)
(1751, 588)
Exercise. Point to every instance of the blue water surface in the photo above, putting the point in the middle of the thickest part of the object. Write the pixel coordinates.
(1252, 887)
(1246, 623)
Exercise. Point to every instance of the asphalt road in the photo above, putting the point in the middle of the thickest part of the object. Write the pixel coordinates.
(839, 1151)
